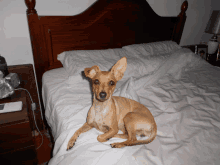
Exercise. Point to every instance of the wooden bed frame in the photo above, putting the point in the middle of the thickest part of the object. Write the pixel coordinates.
(106, 24)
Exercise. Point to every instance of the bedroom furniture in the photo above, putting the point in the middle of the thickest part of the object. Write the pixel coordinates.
(27, 81)
(215, 63)
(195, 48)
(106, 24)
(213, 27)
(16, 140)
(178, 87)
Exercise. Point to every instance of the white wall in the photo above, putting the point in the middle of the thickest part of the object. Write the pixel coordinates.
(166, 7)
(15, 43)
(14, 35)
(198, 15)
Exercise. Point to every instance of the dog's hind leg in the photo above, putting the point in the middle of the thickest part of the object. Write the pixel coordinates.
(137, 123)
(125, 133)
(131, 132)
(133, 126)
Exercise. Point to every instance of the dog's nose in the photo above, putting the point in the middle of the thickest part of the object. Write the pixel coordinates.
(102, 95)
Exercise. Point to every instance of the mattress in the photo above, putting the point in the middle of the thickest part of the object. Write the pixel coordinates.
(186, 110)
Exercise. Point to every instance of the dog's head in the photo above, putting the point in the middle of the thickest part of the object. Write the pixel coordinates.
(104, 82)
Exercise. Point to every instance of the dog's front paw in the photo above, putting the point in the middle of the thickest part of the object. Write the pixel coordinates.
(101, 138)
(70, 144)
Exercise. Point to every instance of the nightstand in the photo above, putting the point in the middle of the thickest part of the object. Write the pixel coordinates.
(200, 46)
(215, 63)
(19, 154)
(27, 79)
(198, 49)
(16, 139)
(191, 47)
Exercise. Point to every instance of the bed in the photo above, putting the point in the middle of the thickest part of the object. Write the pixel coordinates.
(181, 90)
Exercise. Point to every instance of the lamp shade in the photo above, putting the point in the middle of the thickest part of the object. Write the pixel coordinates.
(213, 25)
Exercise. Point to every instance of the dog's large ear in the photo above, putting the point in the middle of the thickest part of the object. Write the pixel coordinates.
(91, 72)
(119, 68)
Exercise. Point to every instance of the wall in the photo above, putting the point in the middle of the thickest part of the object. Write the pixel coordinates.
(14, 35)
(15, 43)
(198, 16)
(215, 5)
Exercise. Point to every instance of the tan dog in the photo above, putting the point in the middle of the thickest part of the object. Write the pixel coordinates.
(110, 114)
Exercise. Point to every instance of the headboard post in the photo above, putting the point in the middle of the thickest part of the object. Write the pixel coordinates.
(36, 42)
(31, 6)
(178, 31)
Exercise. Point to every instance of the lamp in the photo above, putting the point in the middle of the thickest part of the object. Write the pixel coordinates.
(213, 27)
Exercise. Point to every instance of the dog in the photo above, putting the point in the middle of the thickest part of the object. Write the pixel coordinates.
(110, 114)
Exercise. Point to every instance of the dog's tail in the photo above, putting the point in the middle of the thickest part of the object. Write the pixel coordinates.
(150, 139)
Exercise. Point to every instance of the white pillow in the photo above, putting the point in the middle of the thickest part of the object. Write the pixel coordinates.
(139, 65)
(154, 48)
(75, 62)
(135, 66)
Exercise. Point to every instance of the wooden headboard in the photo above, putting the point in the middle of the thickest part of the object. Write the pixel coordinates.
(106, 24)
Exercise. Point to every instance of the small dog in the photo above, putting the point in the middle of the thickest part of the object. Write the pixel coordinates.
(110, 114)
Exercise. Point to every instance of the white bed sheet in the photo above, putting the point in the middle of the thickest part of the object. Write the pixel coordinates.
(186, 110)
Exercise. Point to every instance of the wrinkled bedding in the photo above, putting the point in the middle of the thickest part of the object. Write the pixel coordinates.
(183, 95)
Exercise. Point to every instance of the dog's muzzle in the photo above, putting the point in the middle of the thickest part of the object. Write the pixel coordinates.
(102, 95)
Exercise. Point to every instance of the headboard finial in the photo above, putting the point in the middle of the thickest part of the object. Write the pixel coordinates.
(31, 6)
(184, 7)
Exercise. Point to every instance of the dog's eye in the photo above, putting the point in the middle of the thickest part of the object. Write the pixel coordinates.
(111, 83)
(96, 81)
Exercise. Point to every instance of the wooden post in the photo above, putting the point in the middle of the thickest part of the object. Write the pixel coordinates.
(178, 30)
(36, 43)
(31, 6)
